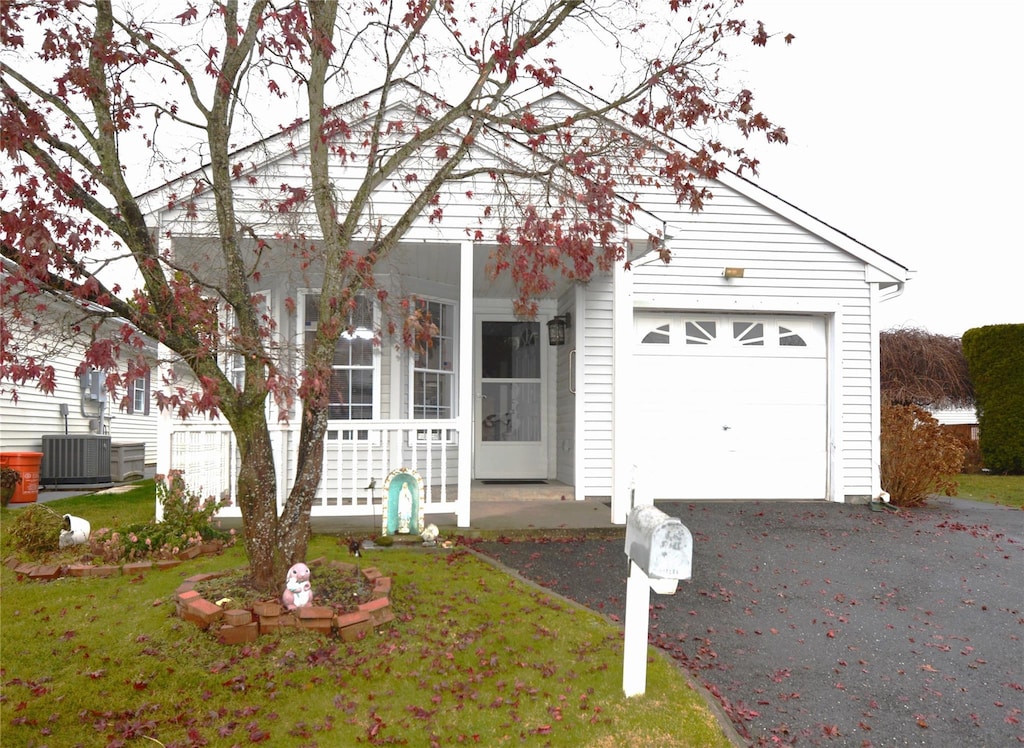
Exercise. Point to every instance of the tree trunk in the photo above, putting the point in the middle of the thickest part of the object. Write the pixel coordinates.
(257, 498)
(294, 528)
(272, 542)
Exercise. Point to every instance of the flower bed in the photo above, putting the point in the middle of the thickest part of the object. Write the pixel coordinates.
(237, 625)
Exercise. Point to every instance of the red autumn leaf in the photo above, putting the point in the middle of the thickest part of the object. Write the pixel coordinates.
(189, 15)
(257, 735)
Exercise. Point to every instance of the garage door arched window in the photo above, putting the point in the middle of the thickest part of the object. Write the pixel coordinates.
(748, 333)
(789, 338)
(754, 335)
(701, 332)
(658, 336)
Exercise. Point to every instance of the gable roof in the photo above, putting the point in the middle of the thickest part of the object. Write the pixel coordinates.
(769, 200)
(262, 153)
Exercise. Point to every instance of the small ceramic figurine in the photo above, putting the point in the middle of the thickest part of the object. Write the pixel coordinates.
(404, 509)
(298, 592)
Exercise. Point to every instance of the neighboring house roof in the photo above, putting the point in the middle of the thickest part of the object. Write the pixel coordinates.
(66, 300)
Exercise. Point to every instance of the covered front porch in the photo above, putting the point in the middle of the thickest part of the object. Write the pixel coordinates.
(491, 416)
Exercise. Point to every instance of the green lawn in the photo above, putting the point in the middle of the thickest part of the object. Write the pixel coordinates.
(994, 489)
(475, 657)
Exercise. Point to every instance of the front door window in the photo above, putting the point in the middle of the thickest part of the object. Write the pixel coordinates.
(511, 382)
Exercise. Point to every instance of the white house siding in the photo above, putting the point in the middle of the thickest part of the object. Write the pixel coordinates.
(956, 416)
(596, 379)
(787, 269)
(35, 414)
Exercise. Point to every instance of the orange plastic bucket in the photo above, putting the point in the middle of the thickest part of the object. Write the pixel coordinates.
(27, 464)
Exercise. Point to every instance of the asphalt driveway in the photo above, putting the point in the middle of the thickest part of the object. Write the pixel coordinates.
(830, 624)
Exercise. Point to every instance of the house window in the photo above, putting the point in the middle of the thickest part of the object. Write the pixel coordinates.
(231, 356)
(138, 395)
(235, 369)
(351, 391)
(433, 376)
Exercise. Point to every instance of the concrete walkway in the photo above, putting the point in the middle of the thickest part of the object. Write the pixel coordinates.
(488, 514)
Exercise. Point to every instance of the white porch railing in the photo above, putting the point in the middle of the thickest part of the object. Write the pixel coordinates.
(356, 455)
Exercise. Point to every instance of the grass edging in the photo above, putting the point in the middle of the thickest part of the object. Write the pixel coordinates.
(712, 703)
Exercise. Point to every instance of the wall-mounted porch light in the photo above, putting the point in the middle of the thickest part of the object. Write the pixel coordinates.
(557, 327)
(733, 273)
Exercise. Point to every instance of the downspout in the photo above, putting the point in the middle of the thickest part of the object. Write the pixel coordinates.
(880, 292)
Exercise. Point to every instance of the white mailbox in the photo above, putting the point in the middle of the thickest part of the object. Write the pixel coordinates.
(660, 551)
(660, 545)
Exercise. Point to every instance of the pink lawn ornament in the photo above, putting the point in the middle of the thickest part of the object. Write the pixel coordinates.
(298, 593)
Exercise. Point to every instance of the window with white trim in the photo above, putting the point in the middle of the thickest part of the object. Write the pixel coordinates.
(138, 395)
(351, 390)
(231, 356)
(433, 375)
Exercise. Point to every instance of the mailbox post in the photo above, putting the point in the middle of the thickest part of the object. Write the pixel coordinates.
(660, 551)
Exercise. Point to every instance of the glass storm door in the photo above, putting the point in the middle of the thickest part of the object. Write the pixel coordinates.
(511, 428)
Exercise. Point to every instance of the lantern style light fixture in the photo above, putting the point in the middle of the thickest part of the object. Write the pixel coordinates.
(557, 327)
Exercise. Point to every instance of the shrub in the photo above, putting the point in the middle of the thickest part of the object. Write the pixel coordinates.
(188, 521)
(9, 480)
(917, 454)
(35, 532)
(995, 356)
(186, 513)
(973, 461)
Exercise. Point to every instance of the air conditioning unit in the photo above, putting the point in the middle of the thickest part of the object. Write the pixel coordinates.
(75, 458)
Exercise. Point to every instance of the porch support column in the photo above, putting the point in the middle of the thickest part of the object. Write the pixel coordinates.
(465, 360)
(164, 426)
(624, 384)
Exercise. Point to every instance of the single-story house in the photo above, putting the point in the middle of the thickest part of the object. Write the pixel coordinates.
(84, 435)
(746, 368)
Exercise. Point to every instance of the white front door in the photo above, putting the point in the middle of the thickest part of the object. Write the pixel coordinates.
(511, 414)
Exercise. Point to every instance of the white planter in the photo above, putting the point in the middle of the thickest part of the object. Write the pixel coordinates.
(76, 531)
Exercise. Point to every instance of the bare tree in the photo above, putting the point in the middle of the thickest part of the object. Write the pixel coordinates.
(87, 87)
(922, 368)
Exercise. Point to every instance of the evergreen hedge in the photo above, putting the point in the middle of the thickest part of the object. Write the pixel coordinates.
(995, 358)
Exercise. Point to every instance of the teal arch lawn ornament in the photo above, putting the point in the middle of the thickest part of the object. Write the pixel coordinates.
(403, 503)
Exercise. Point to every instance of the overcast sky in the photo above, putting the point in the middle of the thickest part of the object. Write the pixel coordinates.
(904, 127)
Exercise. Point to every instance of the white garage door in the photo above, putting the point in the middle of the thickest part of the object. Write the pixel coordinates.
(732, 406)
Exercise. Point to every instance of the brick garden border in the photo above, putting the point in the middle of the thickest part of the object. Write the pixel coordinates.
(240, 625)
(46, 572)
(237, 625)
